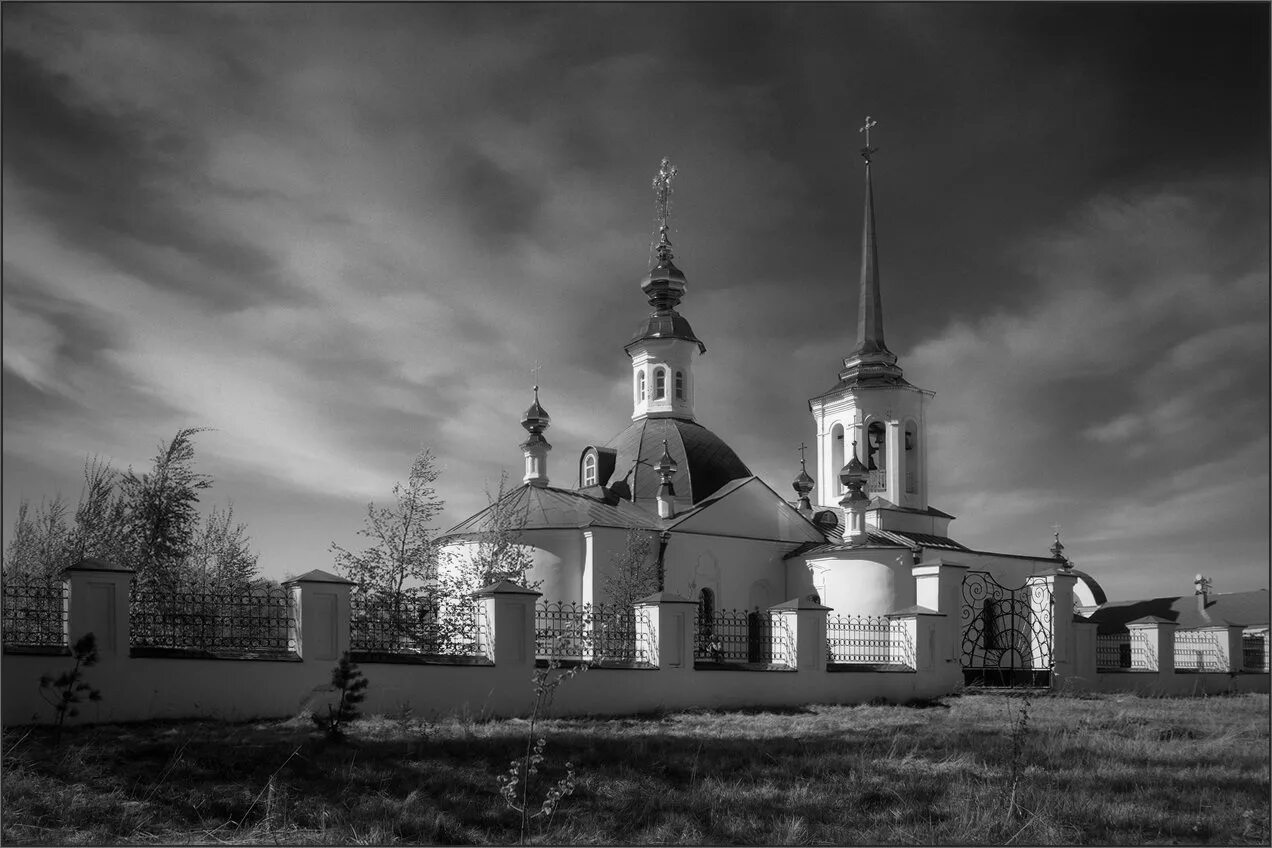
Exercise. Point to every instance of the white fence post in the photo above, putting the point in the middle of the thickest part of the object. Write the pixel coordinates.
(805, 622)
(98, 604)
(509, 623)
(322, 615)
(670, 629)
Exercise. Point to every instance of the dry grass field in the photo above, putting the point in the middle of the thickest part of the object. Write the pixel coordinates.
(970, 770)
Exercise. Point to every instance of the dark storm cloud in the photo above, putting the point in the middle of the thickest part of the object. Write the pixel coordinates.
(106, 181)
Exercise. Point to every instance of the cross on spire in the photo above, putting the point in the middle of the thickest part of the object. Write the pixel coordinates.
(802, 448)
(662, 205)
(865, 128)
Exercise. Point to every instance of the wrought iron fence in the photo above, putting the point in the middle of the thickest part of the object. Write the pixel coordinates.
(1200, 650)
(592, 633)
(1254, 651)
(412, 626)
(1113, 650)
(254, 621)
(867, 639)
(35, 614)
(739, 636)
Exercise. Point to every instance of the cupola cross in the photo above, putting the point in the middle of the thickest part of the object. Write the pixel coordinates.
(662, 206)
(802, 448)
(865, 128)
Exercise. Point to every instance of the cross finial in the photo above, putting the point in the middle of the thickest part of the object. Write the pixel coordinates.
(802, 448)
(534, 371)
(865, 128)
(662, 206)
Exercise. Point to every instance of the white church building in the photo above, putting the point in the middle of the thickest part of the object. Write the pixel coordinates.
(850, 538)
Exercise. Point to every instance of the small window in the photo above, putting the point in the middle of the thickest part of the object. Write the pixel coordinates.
(589, 470)
(640, 385)
(680, 385)
(660, 384)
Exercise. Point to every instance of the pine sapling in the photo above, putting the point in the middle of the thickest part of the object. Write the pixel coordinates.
(347, 678)
(68, 688)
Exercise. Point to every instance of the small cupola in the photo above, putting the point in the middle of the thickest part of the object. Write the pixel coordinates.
(535, 448)
(803, 485)
(854, 476)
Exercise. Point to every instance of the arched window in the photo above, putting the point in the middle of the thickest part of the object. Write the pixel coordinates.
(875, 446)
(911, 457)
(836, 456)
(640, 385)
(589, 469)
(660, 384)
(706, 613)
(680, 385)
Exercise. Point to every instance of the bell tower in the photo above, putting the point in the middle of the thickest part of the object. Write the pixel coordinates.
(872, 405)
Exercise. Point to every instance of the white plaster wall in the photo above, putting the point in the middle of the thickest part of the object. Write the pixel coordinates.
(1010, 571)
(557, 558)
(871, 581)
(729, 567)
(608, 545)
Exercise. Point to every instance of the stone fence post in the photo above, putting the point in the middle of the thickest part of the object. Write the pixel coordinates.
(671, 629)
(322, 615)
(98, 604)
(938, 588)
(510, 640)
(1153, 638)
(1055, 588)
(805, 621)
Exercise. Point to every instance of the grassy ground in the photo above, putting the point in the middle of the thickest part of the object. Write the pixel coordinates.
(1104, 770)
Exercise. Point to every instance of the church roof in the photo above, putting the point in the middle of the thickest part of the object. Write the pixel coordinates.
(548, 507)
(1247, 609)
(666, 324)
(705, 462)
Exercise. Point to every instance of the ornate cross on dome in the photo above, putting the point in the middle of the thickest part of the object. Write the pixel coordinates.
(802, 448)
(662, 206)
(865, 128)
(534, 370)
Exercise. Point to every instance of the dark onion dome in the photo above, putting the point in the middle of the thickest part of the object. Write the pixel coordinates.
(536, 419)
(706, 463)
(854, 471)
(803, 483)
(664, 286)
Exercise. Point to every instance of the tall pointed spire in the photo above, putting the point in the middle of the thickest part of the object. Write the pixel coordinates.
(871, 357)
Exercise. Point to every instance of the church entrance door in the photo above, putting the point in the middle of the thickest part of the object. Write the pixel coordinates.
(1007, 633)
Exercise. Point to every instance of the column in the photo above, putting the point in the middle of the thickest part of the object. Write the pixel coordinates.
(671, 634)
(322, 615)
(805, 622)
(98, 599)
(509, 624)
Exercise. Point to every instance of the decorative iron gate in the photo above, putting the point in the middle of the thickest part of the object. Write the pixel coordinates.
(1007, 633)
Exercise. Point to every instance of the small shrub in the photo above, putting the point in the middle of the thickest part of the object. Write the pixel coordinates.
(68, 688)
(347, 679)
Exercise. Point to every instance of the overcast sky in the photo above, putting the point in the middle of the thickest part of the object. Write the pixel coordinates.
(339, 233)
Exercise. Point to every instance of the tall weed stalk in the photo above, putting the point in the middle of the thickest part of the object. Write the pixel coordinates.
(515, 787)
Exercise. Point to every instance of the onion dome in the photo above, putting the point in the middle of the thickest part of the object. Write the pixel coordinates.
(536, 419)
(1057, 550)
(803, 483)
(854, 471)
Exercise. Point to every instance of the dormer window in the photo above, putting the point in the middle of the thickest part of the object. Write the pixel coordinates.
(589, 469)
(640, 385)
(680, 385)
(660, 384)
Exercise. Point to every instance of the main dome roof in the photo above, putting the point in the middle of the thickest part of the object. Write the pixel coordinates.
(704, 461)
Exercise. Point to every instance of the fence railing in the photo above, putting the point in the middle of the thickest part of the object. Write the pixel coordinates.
(1113, 650)
(739, 636)
(254, 621)
(35, 614)
(592, 633)
(408, 626)
(1254, 652)
(1201, 650)
(868, 640)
